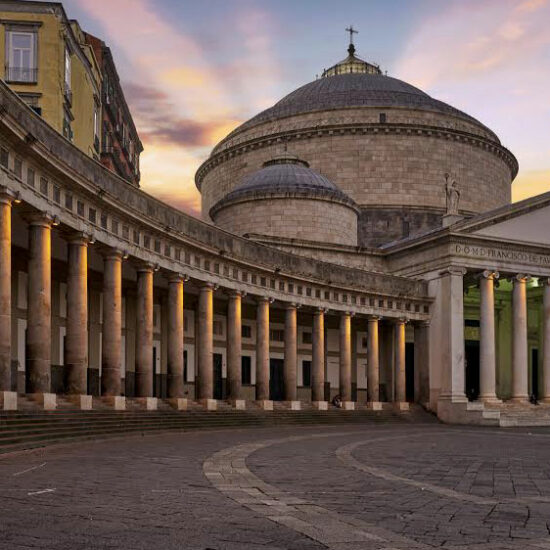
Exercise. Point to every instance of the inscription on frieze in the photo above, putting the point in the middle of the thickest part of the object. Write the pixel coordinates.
(501, 254)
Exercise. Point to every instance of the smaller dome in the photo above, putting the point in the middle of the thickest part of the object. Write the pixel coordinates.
(284, 175)
(352, 64)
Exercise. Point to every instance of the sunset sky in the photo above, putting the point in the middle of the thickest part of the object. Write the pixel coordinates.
(193, 70)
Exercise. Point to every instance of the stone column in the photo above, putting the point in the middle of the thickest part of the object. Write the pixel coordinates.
(318, 357)
(546, 340)
(520, 388)
(487, 357)
(205, 328)
(262, 350)
(345, 357)
(234, 347)
(144, 332)
(291, 329)
(175, 337)
(112, 324)
(373, 363)
(400, 366)
(5, 292)
(40, 308)
(451, 341)
(421, 363)
(76, 337)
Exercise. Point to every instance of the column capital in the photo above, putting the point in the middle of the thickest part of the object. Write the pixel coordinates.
(7, 196)
(321, 310)
(454, 270)
(261, 299)
(520, 278)
(292, 305)
(43, 219)
(206, 285)
(232, 293)
(400, 321)
(373, 318)
(347, 313)
(177, 277)
(421, 324)
(489, 274)
(544, 281)
(112, 254)
(77, 237)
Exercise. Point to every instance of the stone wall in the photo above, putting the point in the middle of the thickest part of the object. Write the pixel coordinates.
(314, 220)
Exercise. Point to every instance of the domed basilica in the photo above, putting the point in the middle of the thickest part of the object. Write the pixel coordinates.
(358, 245)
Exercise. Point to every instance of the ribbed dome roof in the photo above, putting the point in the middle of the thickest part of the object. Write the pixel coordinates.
(353, 90)
(285, 175)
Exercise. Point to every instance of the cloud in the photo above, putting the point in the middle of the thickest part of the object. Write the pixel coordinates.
(491, 60)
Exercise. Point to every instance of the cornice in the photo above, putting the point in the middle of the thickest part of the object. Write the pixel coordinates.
(367, 128)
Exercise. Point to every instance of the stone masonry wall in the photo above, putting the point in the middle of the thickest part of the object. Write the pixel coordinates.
(313, 220)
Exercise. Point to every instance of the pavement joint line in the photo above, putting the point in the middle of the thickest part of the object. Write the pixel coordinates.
(345, 455)
(330, 528)
(29, 469)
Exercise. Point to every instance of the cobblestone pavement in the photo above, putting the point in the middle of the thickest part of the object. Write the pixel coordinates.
(358, 487)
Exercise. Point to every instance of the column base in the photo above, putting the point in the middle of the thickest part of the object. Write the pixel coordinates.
(519, 399)
(238, 404)
(83, 402)
(117, 402)
(265, 404)
(545, 400)
(48, 401)
(178, 403)
(401, 405)
(348, 405)
(209, 404)
(490, 399)
(8, 400)
(374, 405)
(320, 405)
(149, 403)
(293, 405)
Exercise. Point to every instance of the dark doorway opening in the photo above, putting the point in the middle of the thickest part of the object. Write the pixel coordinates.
(218, 380)
(409, 371)
(535, 372)
(276, 380)
(155, 371)
(471, 348)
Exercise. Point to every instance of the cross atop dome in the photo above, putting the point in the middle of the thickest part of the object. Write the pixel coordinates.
(352, 31)
(352, 63)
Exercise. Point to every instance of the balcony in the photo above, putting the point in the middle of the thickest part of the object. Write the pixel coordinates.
(21, 75)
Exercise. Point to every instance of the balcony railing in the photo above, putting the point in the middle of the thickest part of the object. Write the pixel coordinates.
(21, 74)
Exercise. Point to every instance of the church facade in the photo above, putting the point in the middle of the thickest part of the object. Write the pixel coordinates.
(358, 240)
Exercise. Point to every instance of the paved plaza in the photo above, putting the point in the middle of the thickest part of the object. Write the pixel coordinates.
(359, 487)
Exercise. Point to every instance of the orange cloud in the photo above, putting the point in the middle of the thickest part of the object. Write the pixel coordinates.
(530, 183)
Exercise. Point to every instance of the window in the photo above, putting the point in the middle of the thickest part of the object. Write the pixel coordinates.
(306, 374)
(114, 226)
(18, 167)
(67, 130)
(104, 220)
(246, 331)
(92, 214)
(382, 118)
(30, 177)
(4, 157)
(67, 71)
(96, 127)
(21, 56)
(217, 327)
(80, 208)
(246, 370)
(44, 186)
(68, 201)
(56, 194)
(306, 337)
(277, 335)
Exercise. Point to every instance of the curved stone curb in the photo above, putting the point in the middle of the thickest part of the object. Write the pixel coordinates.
(227, 471)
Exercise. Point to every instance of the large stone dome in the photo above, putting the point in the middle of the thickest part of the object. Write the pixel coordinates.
(350, 90)
(384, 143)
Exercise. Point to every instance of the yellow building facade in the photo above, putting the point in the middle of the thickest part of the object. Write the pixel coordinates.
(50, 66)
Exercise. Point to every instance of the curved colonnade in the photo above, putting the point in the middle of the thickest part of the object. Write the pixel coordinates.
(53, 191)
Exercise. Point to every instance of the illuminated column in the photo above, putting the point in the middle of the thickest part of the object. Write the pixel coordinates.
(175, 337)
(373, 362)
(546, 340)
(291, 328)
(400, 372)
(262, 349)
(318, 357)
(40, 309)
(234, 336)
(487, 358)
(205, 389)
(144, 332)
(519, 339)
(112, 324)
(5, 292)
(76, 337)
(345, 357)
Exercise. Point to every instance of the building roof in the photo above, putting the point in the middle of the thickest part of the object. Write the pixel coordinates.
(354, 90)
(285, 175)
